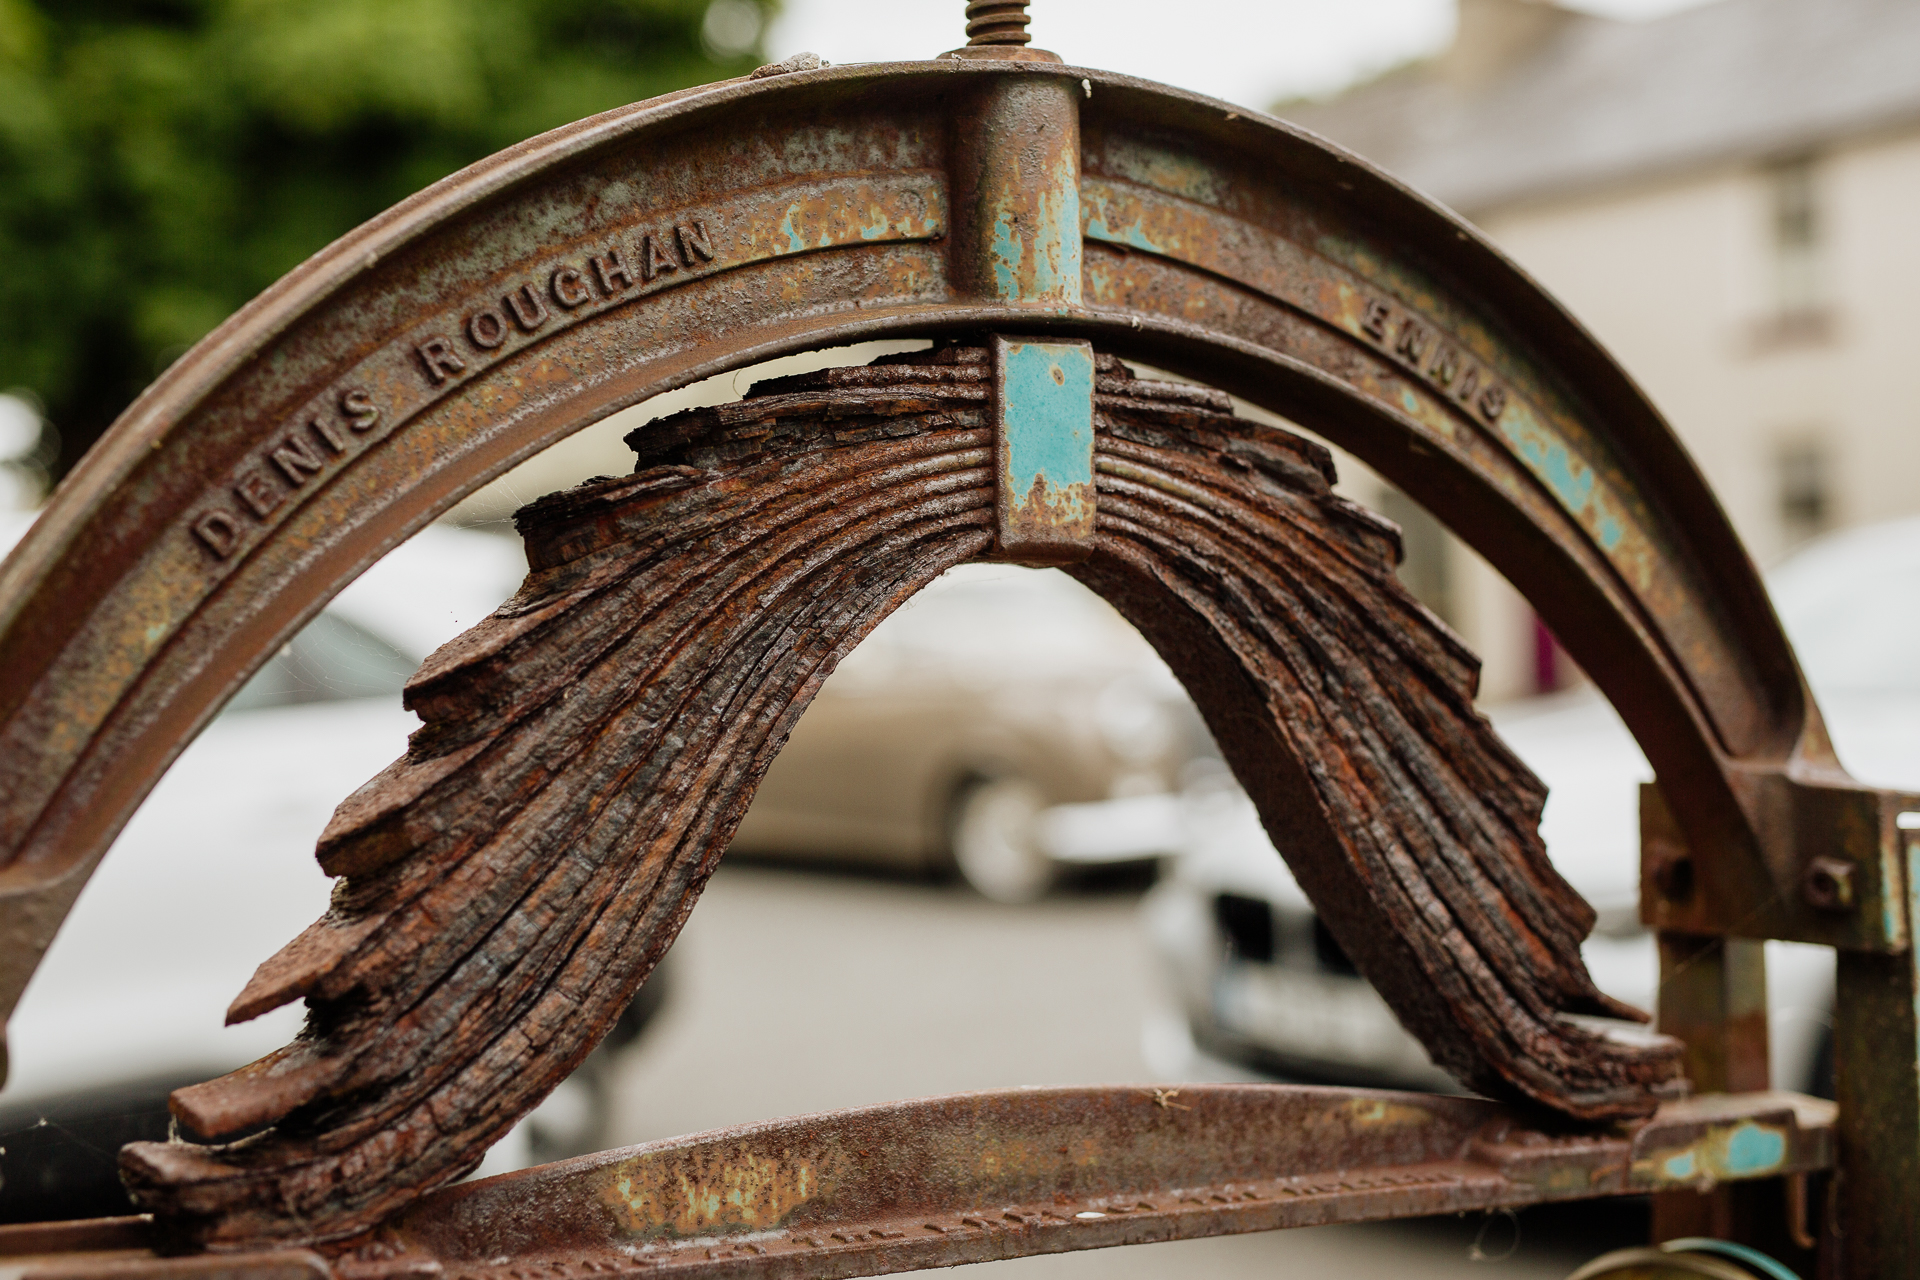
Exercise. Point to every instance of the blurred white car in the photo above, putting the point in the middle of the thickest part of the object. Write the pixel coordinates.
(1005, 723)
(1260, 983)
(216, 872)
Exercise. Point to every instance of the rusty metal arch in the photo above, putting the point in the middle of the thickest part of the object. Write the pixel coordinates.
(586, 752)
(637, 251)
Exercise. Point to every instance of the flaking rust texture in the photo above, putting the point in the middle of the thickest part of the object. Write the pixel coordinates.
(588, 750)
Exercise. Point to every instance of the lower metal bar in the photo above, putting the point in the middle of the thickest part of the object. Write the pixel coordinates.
(980, 1176)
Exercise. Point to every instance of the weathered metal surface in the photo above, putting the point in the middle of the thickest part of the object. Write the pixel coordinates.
(1713, 997)
(1222, 243)
(124, 1249)
(625, 255)
(589, 750)
(1042, 413)
(974, 1177)
(1833, 851)
(1018, 180)
(1876, 1044)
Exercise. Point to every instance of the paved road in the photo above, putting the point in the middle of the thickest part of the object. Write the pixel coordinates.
(799, 992)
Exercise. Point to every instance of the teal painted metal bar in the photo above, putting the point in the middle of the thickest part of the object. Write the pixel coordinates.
(1043, 438)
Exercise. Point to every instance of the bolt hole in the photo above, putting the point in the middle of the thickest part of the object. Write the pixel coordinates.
(1675, 878)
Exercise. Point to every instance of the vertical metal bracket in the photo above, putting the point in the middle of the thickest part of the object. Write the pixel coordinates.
(1043, 507)
(1016, 181)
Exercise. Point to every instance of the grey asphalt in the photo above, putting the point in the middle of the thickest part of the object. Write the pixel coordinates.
(799, 991)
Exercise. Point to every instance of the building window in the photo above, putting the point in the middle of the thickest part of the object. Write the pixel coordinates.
(1799, 313)
(1803, 473)
(1796, 236)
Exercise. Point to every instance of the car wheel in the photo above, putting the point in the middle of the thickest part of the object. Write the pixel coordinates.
(996, 840)
(577, 1117)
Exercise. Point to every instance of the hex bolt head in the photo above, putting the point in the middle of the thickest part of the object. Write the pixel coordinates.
(1827, 884)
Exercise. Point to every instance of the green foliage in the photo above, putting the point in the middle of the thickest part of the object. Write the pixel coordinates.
(162, 161)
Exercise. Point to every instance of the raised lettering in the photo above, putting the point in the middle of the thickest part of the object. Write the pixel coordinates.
(1467, 385)
(1492, 401)
(296, 460)
(694, 242)
(259, 493)
(440, 359)
(359, 408)
(328, 434)
(486, 329)
(1445, 366)
(569, 288)
(1374, 321)
(1412, 343)
(609, 268)
(654, 258)
(219, 531)
(526, 308)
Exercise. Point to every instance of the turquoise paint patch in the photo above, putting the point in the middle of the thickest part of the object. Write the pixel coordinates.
(796, 243)
(1040, 262)
(1008, 252)
(1098, 228)
(1572, 481)
(1679, 1168)
(1574, 487)
(1752, 1149)
(1057, 266)
(1048, 414)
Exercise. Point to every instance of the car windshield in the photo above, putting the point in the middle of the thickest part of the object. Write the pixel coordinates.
(331, 660)
(983, 621)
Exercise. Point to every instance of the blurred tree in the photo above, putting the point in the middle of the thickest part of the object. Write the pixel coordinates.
(162, 161)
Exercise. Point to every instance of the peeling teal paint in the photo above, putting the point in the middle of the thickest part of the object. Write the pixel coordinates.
(1048, 412)
(1678, 1168)
(1148, 222)
(1572, 480)
(1007, 251)
(876, 224)
(796, 243)
(1133, 235)
(1038, 258)
(1752, 1150)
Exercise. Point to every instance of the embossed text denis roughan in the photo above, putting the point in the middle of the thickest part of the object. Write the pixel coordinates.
(1429, 353)
(654, 257)
(283, 465)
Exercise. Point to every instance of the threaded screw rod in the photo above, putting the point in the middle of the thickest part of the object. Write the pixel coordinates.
(997, 22)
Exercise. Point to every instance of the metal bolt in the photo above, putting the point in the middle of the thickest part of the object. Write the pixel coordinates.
(1828, 884)
(997, 22)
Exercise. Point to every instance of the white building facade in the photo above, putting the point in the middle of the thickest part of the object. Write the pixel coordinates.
(1729, 198)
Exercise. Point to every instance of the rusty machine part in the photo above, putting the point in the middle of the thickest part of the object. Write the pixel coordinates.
(589, 750)
(980, 1176)
(992, 191)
